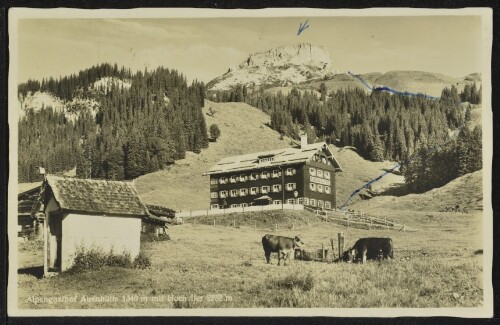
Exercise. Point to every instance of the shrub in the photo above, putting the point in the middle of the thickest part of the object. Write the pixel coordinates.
(31, 245)
(149, 238)
(305, 283)
(141, 261)
(95, 258)
(214, 131)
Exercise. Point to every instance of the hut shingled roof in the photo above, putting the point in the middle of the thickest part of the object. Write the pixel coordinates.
(96, 196)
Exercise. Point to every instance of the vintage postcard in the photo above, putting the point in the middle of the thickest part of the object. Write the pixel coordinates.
(250, 162)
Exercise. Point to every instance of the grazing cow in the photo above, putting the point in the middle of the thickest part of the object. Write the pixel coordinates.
(370, 249)
(281, 245)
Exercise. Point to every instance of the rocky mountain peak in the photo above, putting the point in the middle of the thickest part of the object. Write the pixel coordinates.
(279, 66)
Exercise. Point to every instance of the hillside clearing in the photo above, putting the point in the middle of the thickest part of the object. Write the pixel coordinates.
(465, 191)
(243, 130)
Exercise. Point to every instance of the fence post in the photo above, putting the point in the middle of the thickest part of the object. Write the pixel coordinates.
(234, 223)
(322, 251)
(341, 243)
(214, 222)
(385, 221)
(333, 248)
(275, 227)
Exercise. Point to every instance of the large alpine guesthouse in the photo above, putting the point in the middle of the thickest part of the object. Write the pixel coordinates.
(298, 175)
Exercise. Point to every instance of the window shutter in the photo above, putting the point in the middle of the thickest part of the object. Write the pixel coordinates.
(294, 171)
(294, 186)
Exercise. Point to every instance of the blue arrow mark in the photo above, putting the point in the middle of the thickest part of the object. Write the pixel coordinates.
(302, 27)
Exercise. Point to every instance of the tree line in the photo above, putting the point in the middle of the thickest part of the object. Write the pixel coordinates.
(136, 130)
(435, 164)
(379, 125)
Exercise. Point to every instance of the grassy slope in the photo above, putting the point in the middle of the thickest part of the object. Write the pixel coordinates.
(182, 186)
(465, 191)
(412, 81)
(436, 267)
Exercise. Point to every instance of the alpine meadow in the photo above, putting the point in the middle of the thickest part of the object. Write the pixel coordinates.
(207, 163)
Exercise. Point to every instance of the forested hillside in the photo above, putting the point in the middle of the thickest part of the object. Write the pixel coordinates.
(412, 130)
(136, 130)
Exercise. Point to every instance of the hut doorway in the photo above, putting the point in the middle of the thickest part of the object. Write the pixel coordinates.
(54, 234)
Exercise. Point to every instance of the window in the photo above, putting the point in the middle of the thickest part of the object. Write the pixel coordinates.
(327, 190)
(266, 159)
(243, 178)
(276, 187)
(328, 205)
(213, 181)
(320, 188)
(300, 200)
(277, 202)
(223, 180)
(234, 193)
(312, 186)
(323, 160)
(243, 191)
(214, 206)
(320, 204)
(290, 201)
(233, 179)
(276, 173)
(223, 194)
(234, 205)
(312, 202)
(291, 186)
(306, 201)
(312, 171)
(254, 176)
(319, 173)
(214, 195)
(326, 175)
(264, 175)
(244, 205)
(290, 172)
(254, 190)
(265, 189)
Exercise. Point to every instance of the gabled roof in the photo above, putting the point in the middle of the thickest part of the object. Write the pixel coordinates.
(286, 156)
(96, 196)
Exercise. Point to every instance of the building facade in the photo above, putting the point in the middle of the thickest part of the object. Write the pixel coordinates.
(303, 175)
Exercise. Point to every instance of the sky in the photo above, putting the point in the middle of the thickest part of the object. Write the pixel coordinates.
(204, 48)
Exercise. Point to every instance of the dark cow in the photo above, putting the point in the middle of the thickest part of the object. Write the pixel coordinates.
(370, 249)
(281, 245)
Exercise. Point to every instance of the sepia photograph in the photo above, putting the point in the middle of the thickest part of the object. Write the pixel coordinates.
(294, 162)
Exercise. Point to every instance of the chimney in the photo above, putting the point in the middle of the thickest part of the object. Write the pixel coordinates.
(303, 141)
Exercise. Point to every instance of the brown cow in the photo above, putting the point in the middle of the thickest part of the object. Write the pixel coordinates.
(281, 245)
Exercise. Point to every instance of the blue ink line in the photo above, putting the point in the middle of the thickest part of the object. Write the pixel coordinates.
(303, 27)
(409, 160)
(388, 89)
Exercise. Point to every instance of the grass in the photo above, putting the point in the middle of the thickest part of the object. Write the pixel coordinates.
(440, 266)
(465, 191)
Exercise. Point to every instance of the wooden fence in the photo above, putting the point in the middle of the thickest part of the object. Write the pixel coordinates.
(357, 219)
(199, 213)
